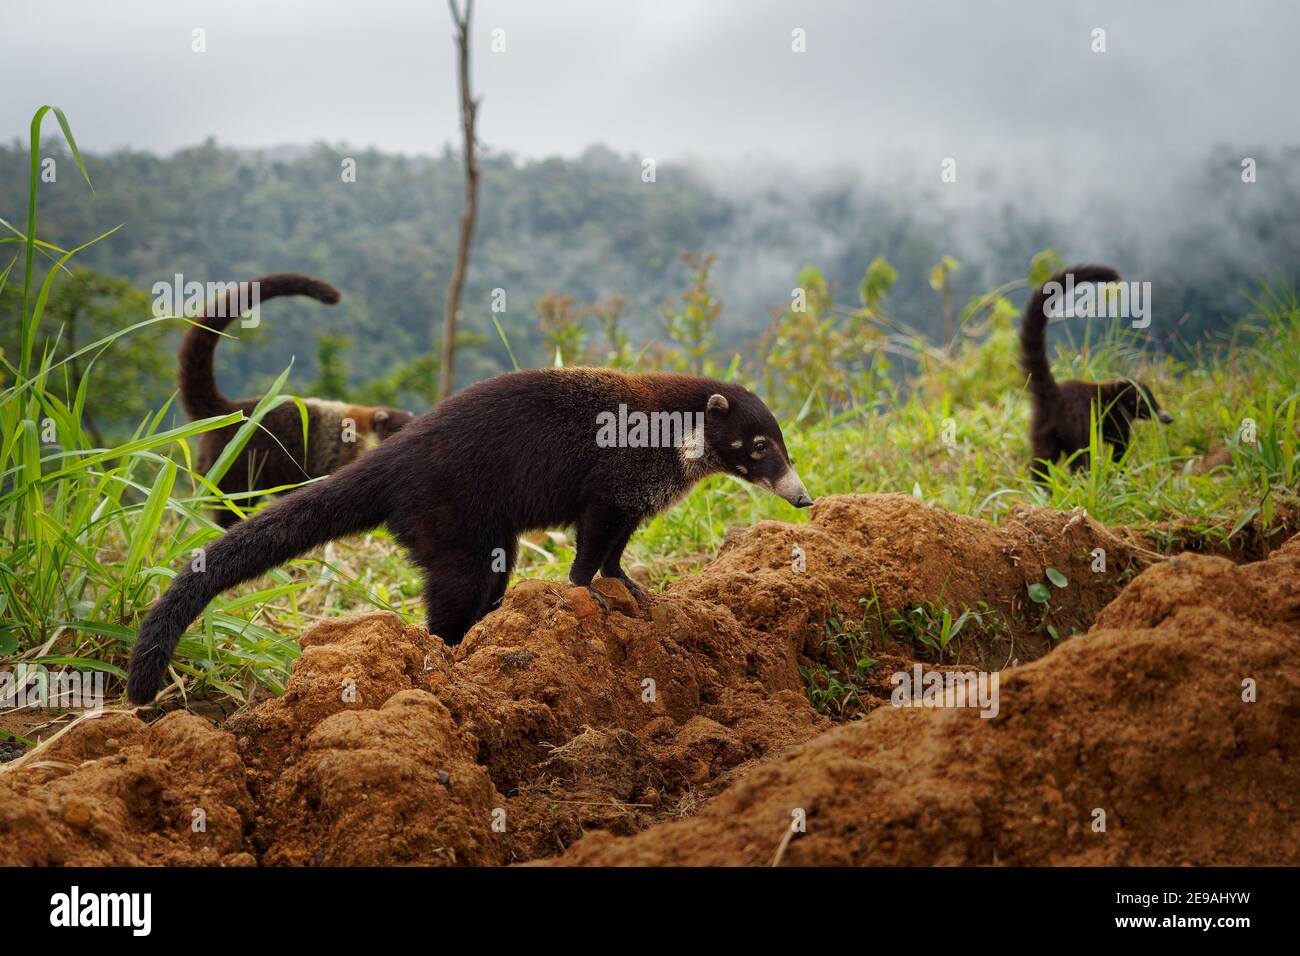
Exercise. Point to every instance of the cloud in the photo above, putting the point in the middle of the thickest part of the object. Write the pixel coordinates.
(1005, 84)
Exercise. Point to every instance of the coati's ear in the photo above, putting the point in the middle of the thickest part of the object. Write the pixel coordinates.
(717, 404)
(380, 417)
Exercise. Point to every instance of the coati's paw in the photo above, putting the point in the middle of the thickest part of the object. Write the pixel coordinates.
(637, 592)
(601, 601)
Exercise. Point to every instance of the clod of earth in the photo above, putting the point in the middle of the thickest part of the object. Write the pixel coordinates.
(684, 734)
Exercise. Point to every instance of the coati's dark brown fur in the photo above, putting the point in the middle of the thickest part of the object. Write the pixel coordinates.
(459, 485)
(1062, 414)
(275, 456)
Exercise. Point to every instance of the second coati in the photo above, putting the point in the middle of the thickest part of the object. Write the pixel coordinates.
(274, 456)
(518, 452)
(1062, 412)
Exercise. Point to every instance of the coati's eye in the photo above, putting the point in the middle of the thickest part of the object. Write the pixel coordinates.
(760, 445)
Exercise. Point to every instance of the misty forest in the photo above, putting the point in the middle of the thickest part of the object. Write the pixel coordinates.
(1100, 518)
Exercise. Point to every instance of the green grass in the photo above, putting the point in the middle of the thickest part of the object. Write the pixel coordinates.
(90, 536)
(983, 472)
(837, 681)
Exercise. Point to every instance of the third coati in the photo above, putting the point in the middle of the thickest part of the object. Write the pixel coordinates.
(1061, 420)
(274, 455)
(456, 487)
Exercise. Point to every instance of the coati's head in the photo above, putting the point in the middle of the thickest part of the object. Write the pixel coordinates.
(389, 421)
(745, 439)
(1135, 400)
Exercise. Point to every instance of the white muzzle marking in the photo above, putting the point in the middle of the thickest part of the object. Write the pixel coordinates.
(789, 487)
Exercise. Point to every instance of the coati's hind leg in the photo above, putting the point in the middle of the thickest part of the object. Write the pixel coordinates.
(461, 586)
(502, 564)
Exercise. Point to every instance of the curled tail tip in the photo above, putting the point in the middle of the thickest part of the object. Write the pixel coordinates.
(324, 292)
(1080, 274)
(297, 283)
(1087, 272)
(200, 395)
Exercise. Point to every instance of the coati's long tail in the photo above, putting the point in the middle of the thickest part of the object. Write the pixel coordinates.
(1033, 334)
(200, 396)
(355, 498)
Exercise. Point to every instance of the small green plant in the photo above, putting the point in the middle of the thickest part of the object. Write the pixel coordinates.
(836, 683)
(563, 329)
(819, 361)
(1041, 595)
(690, 325)
(930, 626)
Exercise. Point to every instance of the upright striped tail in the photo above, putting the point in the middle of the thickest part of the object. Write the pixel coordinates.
(200, 396)
(1033, 327)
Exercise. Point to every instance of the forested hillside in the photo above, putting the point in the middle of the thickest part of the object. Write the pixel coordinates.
(591, 227)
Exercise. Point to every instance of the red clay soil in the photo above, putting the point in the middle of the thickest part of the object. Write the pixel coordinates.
(1143, 719)
(555, 726)
(116, 791)
(907, 552)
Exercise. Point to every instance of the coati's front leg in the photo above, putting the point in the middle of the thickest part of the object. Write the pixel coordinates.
(1117, 434)
(603, 533)
(612, 567)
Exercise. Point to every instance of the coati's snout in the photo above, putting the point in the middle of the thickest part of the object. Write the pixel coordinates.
(748, 442)
(1144, 404)
(789, 487)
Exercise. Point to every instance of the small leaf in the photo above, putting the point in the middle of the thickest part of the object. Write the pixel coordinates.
(1038, 593)
(961, 622)
(1243, 521)
(1051, 629)
(1057, 578)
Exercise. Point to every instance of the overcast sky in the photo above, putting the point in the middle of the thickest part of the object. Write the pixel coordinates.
(995, 83)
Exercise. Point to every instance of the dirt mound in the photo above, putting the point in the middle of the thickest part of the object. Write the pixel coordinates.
(555, 719)
(381, 787)
(1171, 724)
(678, 697)
(577, 719)
(115, 791)
(907, 553)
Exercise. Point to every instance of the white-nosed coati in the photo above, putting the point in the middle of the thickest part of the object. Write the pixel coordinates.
(275, 455)
(456, 487)
(1061, 420)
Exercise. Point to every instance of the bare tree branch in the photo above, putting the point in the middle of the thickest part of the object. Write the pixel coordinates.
(468, 114)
